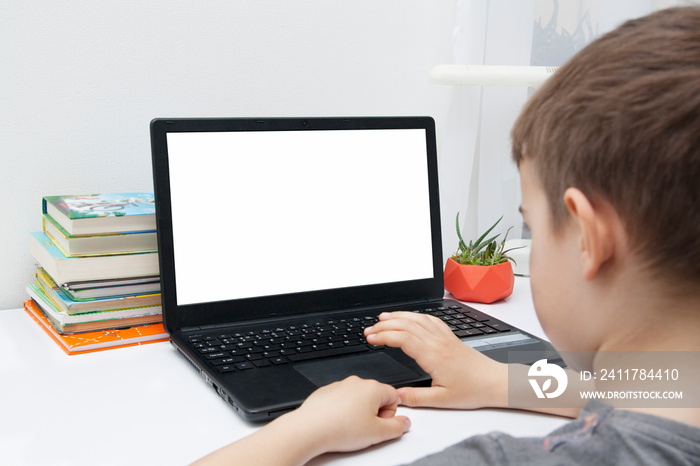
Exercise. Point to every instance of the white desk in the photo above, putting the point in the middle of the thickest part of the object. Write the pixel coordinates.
(146, 405)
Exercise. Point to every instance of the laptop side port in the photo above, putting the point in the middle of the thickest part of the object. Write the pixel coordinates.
(227, 398)
(206, 378)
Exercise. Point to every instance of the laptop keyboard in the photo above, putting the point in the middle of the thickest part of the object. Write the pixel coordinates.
(238, 351)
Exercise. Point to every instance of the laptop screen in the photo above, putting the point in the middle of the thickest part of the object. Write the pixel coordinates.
(264, 213)
(278, 217)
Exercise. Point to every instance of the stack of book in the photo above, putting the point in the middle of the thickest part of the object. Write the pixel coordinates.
(97, 273)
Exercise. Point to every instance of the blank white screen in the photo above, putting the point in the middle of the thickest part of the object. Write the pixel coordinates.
(265, 213)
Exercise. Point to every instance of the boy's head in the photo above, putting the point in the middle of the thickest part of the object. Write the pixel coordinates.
(621, 122)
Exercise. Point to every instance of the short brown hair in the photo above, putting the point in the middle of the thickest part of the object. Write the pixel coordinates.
(621, 122)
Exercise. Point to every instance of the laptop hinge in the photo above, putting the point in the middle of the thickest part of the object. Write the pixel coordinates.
(417, 302)
(189, 329)
(357, 308)
(204, 328)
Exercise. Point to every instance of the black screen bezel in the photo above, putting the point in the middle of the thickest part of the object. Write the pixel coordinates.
(177, 317)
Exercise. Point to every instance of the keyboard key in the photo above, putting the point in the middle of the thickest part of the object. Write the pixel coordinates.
(223, 362)
(497, 326)
(468, 333)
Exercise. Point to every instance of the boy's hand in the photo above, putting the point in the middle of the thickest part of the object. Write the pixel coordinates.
(343, 416)
(350, 415)
(462, 377)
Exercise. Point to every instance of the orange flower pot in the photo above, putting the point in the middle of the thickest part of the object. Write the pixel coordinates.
(479, 283)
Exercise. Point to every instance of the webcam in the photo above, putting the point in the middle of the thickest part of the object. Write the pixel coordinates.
(304, 123)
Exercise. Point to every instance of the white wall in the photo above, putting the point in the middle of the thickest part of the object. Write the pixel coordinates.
(80, 81)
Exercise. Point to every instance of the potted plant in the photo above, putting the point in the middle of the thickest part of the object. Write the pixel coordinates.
(480, 271)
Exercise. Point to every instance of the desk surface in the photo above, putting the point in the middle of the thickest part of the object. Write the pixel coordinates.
(146, 405)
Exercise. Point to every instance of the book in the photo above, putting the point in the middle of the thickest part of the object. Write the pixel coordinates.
(90, 289)
(65, 323)
(102, 213)
(99, 340)
(106, 243)
(70, 306)
(64, 269)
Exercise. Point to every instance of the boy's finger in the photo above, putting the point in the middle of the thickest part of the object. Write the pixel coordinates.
(393, 427)
(388, 400)
(415, 397)
(388, 429)
(406, 341)
(424, 320)
(419, 326)
(429, 323)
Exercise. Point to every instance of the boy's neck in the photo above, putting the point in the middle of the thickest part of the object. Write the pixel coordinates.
(656, 325)
(655, 330)
(646, 314)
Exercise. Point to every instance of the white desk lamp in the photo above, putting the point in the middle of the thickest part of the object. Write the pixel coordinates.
(487, 75)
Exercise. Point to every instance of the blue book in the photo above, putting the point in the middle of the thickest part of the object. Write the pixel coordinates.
(64, 269)
(102, 213)
(90, 321)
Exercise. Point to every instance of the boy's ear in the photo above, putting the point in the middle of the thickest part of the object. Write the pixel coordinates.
(596, 238)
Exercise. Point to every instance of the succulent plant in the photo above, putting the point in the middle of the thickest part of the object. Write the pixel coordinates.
(483, 251)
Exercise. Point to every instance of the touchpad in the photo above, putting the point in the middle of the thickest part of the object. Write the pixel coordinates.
(376, 366)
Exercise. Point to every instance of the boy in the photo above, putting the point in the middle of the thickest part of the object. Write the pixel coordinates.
(609, 157)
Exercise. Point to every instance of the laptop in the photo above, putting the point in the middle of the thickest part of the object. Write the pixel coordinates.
(280, 239)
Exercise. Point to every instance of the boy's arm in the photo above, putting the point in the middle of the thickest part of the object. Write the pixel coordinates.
(344, 416)
(463, 378)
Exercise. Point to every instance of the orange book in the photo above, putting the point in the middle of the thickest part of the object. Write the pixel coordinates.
(88, 342)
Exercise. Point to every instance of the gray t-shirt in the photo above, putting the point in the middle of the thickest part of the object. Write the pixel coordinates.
(600, 436)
